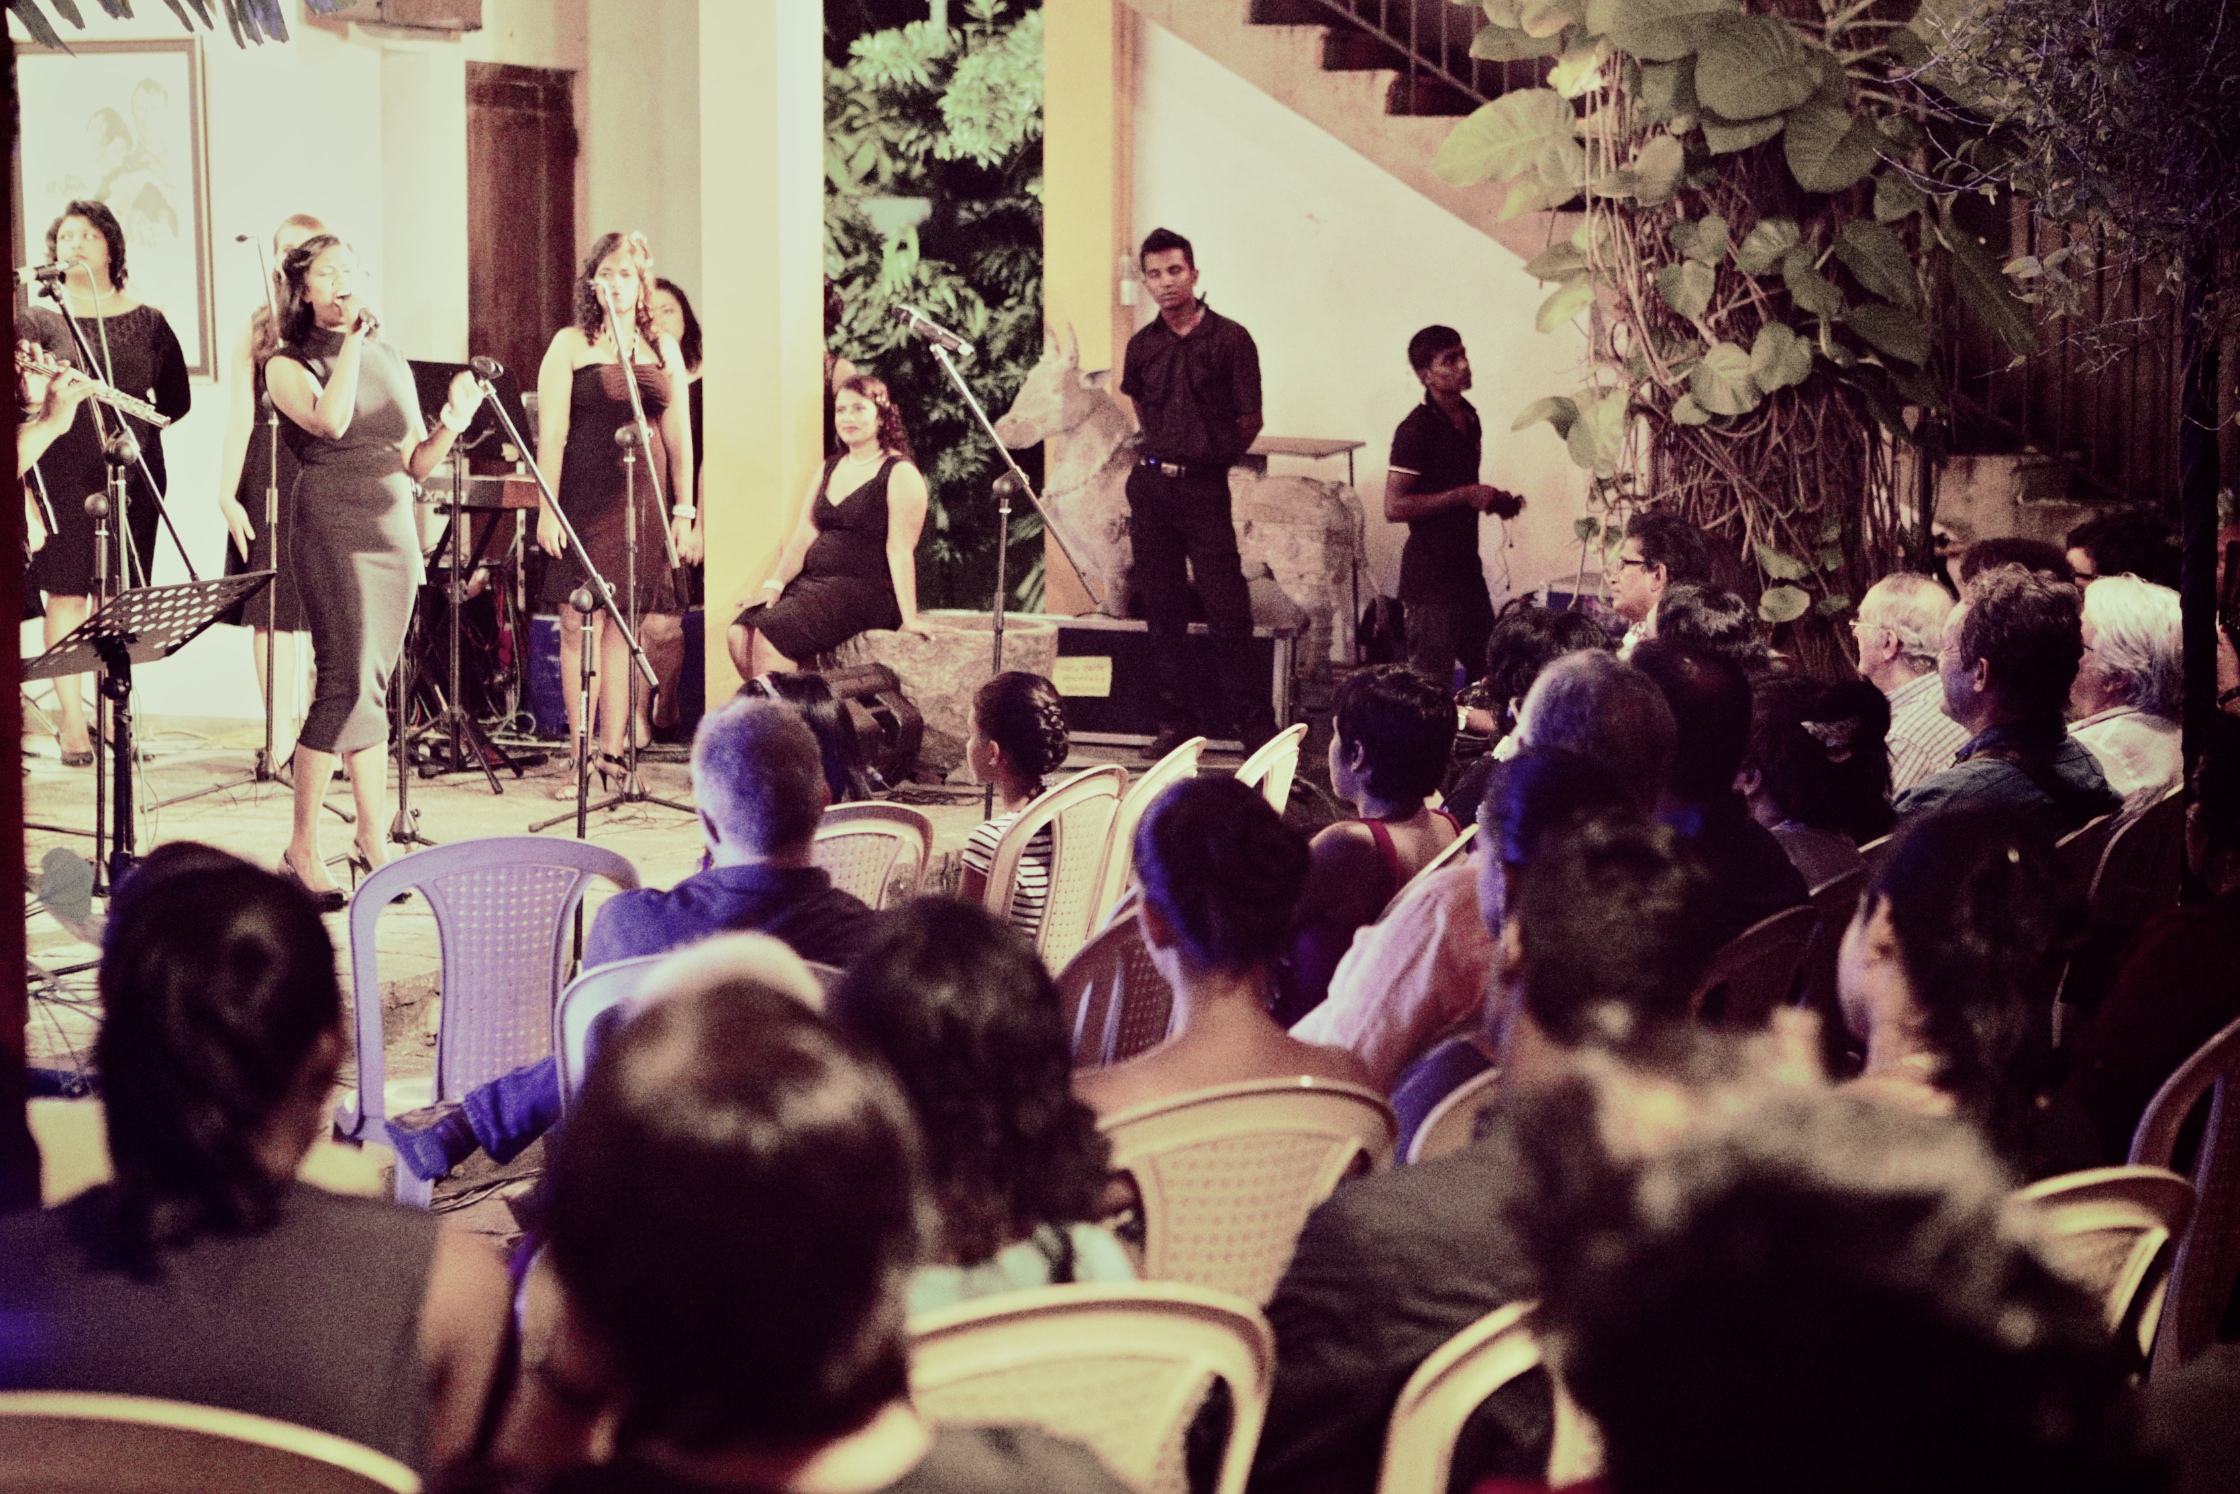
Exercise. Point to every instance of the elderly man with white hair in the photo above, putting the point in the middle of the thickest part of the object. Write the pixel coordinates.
(1900, 623)
(2126, 700)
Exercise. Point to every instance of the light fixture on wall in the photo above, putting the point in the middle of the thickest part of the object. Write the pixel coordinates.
(1126, 271)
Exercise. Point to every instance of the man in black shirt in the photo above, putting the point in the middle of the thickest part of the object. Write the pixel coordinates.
(1431, 485)
(1194, 377)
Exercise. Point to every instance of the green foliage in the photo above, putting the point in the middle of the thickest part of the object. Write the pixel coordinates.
(933, 199)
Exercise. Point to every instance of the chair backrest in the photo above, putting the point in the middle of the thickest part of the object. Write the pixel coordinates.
(1228, 1175)
(502, 908)
(1273, 764)
(876, 851)
(1116, 1001)
(2113, 1231)
(1833, 904)
(2080, 850)
(1079, 813)
(1452, 1383)
(589, 996)
(1878, 851)
(1121, 1368)
(1448, 854)
(1755, 970)
(67, 1442)
(1453, 1122)
(2209, 1256)
(2143, 865)
(1120, 854)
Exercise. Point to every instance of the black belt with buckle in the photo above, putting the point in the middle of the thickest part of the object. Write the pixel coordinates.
(1166, 468)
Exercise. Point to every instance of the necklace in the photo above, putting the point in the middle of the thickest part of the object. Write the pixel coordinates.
(852, 460)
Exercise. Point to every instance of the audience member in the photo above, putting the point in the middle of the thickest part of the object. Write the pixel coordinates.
(1809, 1291)
(1660, 550)
(2177, 987)
(2008, 658)
(1390, 736)
(2042, 558)
(1221, 874)
(1947, 975)
(848, 777)
(1018, 740)
(758, 778)
(1420, 973)
(734, 1213)
(1610, 934)
(961, 1010)
(1526, 639)
(2130, 686)
(2124, 544)
(1817, 773)
(1711, 620)
(1899, 630)
(205, 1272)
(1710, 700)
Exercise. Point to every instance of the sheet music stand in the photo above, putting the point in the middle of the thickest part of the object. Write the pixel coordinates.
(139, 626)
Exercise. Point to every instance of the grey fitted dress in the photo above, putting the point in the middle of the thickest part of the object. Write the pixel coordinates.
(357, 554)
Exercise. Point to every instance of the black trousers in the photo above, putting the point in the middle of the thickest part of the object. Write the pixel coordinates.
(1450, 630)
(1180, 529)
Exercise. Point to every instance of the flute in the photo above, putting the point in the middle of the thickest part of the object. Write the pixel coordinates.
(108, 394)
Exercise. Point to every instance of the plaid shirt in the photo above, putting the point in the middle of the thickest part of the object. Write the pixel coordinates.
(1923, 739)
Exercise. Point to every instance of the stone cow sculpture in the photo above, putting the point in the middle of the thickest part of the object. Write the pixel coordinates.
(1306, 533)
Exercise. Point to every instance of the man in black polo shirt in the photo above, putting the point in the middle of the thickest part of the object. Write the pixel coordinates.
(1431, 485)
(1194, 377)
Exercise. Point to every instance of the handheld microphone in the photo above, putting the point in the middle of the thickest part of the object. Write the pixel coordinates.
(45, 274)
(923, 326)
(486, 368)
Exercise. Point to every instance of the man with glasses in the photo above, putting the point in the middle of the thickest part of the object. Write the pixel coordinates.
(1659, 551)
(1899, 624)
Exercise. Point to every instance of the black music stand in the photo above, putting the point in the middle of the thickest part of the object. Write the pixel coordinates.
(139, 626)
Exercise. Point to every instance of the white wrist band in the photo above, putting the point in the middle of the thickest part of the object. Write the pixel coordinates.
(684, 510)
(454, 420)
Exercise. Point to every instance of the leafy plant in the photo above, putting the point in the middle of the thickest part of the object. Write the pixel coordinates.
(933, 199)
(1773, 224)
(249, 20)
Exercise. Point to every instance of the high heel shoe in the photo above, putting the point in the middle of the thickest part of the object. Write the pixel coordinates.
(602, 765)
(71, 759)
(331, 900)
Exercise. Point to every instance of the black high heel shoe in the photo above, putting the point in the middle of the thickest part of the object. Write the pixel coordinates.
(332, 900)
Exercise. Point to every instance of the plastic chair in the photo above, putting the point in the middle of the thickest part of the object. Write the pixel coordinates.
(860, 846)
(590, 996)
(2140, 870)
(1273, 764)
(67, 1442)
(1120, 1368)
(1453, 1122)
(1120, 851)
(1228, 1175)
(2080, 850)
(2113, 1230)
(1876, 853)
(1118, 1004)
(1446, 1388)
(1079, 813)
(502, 908)
(2209, 1255)
(1755, 970)
(1448, 854)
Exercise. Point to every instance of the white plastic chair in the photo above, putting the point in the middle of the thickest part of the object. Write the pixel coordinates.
(1453, 1122)
(1446, 857)
(1079, 813)
(1228, 1175)
(69, 1442)
(1446, 1388)
(590, 996)
(1120, 851)
(2113, 1231)
(1117, 1002)
(876, 851)
(502, 909)
(1120, 1368)
(2208, 1262)
(1273, 765)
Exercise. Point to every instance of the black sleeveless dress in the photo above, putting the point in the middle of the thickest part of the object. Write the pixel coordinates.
(286, 612)
(844, 587)
(592, 491)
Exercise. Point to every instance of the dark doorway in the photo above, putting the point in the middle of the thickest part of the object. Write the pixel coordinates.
(521, 211)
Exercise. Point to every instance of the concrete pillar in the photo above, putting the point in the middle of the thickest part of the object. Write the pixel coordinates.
(761, 293)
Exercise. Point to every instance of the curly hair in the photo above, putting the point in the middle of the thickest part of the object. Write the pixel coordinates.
(1822, 753)
(591, 312)
(104, 222)
(1526, 639)
(1224, 869)
(297, 318)
(1672, 542)
(962, 1010)
(689, 345)
(1404, 726)
(1024, 715)
(893, 439)
(1715, 621)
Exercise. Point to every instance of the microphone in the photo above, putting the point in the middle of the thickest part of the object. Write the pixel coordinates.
(486, 368)
(925, 327)
(45, 274)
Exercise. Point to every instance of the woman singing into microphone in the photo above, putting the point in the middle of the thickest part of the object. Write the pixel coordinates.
(354, 426)
(581, 402)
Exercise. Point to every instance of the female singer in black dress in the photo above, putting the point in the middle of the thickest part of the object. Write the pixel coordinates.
(135, 349)
(581, 403)
(851, 564)
(245, 465)
(354, 425)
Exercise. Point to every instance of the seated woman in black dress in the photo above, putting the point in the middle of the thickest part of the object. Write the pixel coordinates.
(851, 564)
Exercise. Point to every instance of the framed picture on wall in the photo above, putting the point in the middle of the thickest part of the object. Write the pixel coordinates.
(121, 123)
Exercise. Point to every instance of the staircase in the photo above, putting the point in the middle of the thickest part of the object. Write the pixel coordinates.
(1388, 78)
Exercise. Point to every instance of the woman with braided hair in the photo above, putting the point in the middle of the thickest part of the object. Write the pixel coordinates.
(1018, 740)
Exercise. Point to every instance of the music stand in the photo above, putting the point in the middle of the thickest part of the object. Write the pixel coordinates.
(139, 626)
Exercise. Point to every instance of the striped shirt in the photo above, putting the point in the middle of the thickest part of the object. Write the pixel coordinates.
(1030, 892)
(1923, 739)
